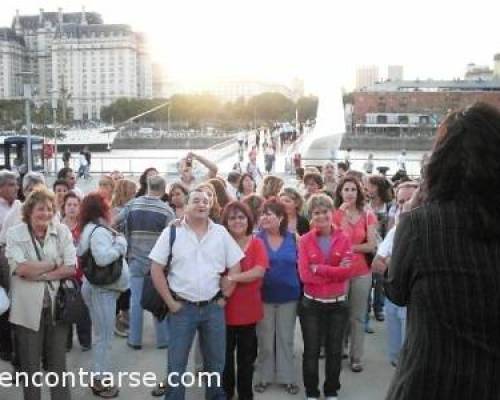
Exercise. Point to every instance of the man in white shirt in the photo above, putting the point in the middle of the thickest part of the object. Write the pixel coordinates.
(395, 316)
(9, 188)
(193, 292)
(8, 196)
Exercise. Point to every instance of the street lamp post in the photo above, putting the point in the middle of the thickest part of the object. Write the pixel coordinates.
(54, 119)
(168, 119)
(27, 110)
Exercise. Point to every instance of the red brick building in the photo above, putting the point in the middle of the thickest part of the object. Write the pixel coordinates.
(416, 106)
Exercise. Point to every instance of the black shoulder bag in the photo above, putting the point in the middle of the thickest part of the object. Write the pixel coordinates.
(69, 307)
(96, 274)
(151, 300)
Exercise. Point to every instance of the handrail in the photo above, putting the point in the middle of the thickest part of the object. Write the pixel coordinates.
(136, 165)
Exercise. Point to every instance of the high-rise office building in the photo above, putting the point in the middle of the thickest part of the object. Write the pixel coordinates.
(395, 73)
(366, 76)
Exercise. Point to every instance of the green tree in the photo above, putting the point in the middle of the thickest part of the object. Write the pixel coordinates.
(307, 107)
(272, 107)
(11, 114)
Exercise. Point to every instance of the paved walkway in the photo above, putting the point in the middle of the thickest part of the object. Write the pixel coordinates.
(370, 384)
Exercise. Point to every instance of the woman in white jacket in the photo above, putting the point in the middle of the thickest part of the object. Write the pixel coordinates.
(106, 246)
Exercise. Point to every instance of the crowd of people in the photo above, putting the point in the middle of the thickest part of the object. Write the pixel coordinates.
(239, 260)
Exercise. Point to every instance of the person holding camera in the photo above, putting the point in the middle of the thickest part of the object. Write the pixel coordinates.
(188, 178)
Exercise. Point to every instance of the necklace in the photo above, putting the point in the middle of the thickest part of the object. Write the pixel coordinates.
(352, 216)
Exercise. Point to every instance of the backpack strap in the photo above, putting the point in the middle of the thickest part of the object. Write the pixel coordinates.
(173, 233)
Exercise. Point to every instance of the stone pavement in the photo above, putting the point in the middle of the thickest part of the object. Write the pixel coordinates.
(370, 384)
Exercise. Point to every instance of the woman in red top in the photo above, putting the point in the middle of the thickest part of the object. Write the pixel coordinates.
(70, 214)
(359, 224)
(244, 307)
(325, 268)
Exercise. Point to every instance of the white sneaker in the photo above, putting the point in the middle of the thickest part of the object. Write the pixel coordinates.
(311, 398)
(331, 398)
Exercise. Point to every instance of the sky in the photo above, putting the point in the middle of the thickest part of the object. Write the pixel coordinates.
(320, 41)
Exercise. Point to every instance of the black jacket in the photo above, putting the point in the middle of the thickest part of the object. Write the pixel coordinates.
(450, 282)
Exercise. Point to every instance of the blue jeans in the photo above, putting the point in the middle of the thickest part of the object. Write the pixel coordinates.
(102, 308)
(137, 313)
(396, 328)
(210, 323)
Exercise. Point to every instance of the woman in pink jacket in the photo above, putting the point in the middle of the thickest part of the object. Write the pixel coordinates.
(325, 268)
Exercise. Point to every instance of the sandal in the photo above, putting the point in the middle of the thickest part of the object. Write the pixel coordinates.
(292, 388)
(261, 387)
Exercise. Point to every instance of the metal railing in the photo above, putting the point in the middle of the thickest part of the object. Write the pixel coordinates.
(136, 165)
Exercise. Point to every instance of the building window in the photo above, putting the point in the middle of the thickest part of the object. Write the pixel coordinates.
(403, 119)
(424, 120)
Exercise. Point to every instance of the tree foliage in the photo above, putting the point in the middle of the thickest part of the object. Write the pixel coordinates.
(11, 114)
(194, 111)
(307, 108)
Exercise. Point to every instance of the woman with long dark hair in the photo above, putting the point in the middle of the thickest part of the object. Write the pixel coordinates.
(359, 224)
(294, 203)
(143, 180)
(178, 195)
(445, 267)
(246, 186)
(380, 195)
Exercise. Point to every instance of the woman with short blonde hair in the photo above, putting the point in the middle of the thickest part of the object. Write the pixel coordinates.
(325, 255)
(319, 201)
(40, 253)
(271, 186)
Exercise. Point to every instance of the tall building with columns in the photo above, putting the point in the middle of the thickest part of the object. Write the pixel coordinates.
(11, 62)
(77, 54)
